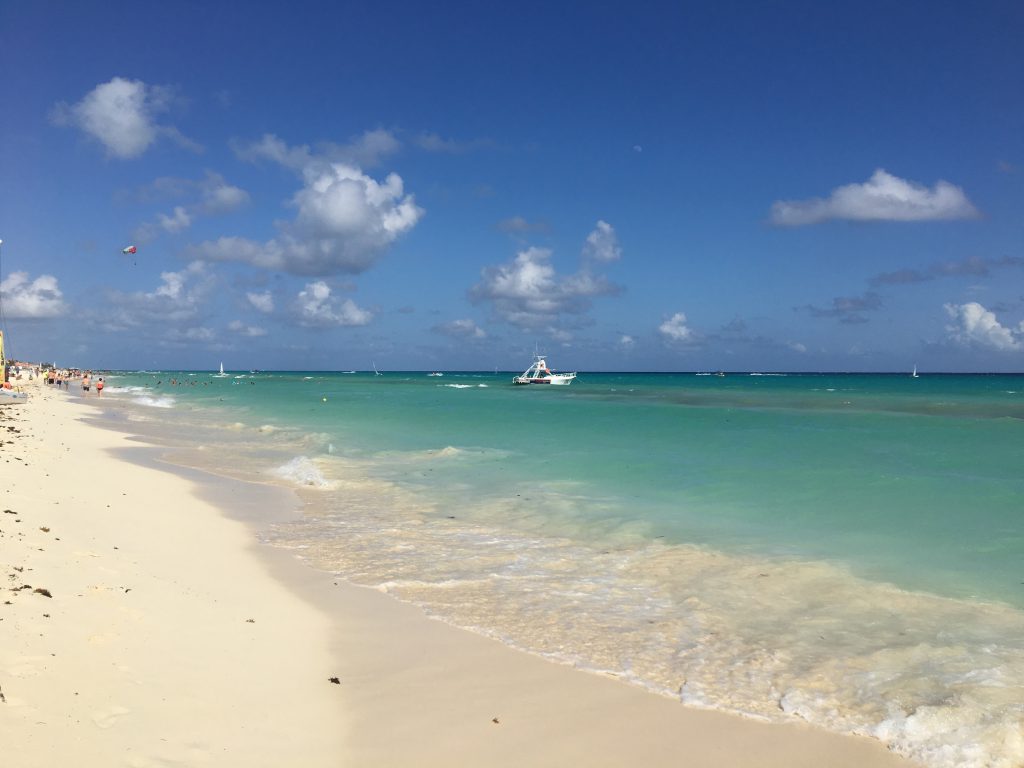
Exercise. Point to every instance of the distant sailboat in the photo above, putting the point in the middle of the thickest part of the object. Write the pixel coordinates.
(221, 375)
(375, 371)
(914, 374)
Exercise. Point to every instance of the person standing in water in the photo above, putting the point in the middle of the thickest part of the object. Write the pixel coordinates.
(99, 387)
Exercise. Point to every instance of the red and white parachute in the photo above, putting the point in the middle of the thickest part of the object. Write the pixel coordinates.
(129, 249)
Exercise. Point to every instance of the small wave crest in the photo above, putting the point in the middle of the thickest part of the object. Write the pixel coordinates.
(302, 471)
(154, 402)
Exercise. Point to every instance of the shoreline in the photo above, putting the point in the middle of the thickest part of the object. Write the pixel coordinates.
(411, 690)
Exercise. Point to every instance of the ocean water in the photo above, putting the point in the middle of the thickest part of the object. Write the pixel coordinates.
(844, 549)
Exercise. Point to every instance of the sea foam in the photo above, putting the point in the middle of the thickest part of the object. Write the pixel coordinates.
(154, 402)
(302, 471)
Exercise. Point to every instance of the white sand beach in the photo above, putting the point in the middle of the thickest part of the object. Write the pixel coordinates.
(142, 624)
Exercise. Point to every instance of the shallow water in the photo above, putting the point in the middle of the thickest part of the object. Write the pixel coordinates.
(848, 549)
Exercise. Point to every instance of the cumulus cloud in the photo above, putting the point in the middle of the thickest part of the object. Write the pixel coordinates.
(626, 341)
(121, 115)
(345, 220)
(602, 244)
(179, 300)
(460, 329)
(24, 298)
(978, 327)
(250, 331)
(676, 330)
(217, 196)
(264, 302)
(883, 197)
(528, 293)
(315, 307)
(176, 222)
(210, 196)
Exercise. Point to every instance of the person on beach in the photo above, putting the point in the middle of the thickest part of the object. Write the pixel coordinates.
(85, 382)
(99, 387)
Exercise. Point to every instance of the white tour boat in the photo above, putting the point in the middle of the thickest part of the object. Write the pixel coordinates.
(539, 373)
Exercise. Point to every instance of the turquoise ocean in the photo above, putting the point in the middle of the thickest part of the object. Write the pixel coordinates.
(846, 549)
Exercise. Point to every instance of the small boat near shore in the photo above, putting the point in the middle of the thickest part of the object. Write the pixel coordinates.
(12, 395)
(539, 373)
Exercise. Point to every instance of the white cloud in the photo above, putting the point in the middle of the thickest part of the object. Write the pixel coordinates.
(175, 223)
(345, 221)
(462, 329)
(120, 114)
(179, 300)
(976, 326)
(37, 298)
(199, 333)
(264, 302)
(883, 197)
(366, 150)
(211, 196)
(528, 293)
(675, 329)
(369, 149)
(796, 346)
(314, 307)
(217, 196)
(602, 244)
(626, 341)
(342, 202)
(270, 147)
(252, 331)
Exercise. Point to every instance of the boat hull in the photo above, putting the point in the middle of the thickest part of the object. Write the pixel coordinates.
(556, 380)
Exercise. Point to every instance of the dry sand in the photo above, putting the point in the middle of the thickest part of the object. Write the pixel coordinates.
(170, 637)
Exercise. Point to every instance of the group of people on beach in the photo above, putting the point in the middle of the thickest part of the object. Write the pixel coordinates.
(62, 379)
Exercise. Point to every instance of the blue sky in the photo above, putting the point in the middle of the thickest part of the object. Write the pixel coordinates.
(624, 186)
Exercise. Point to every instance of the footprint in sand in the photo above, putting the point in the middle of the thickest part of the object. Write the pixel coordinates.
(109, 716)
